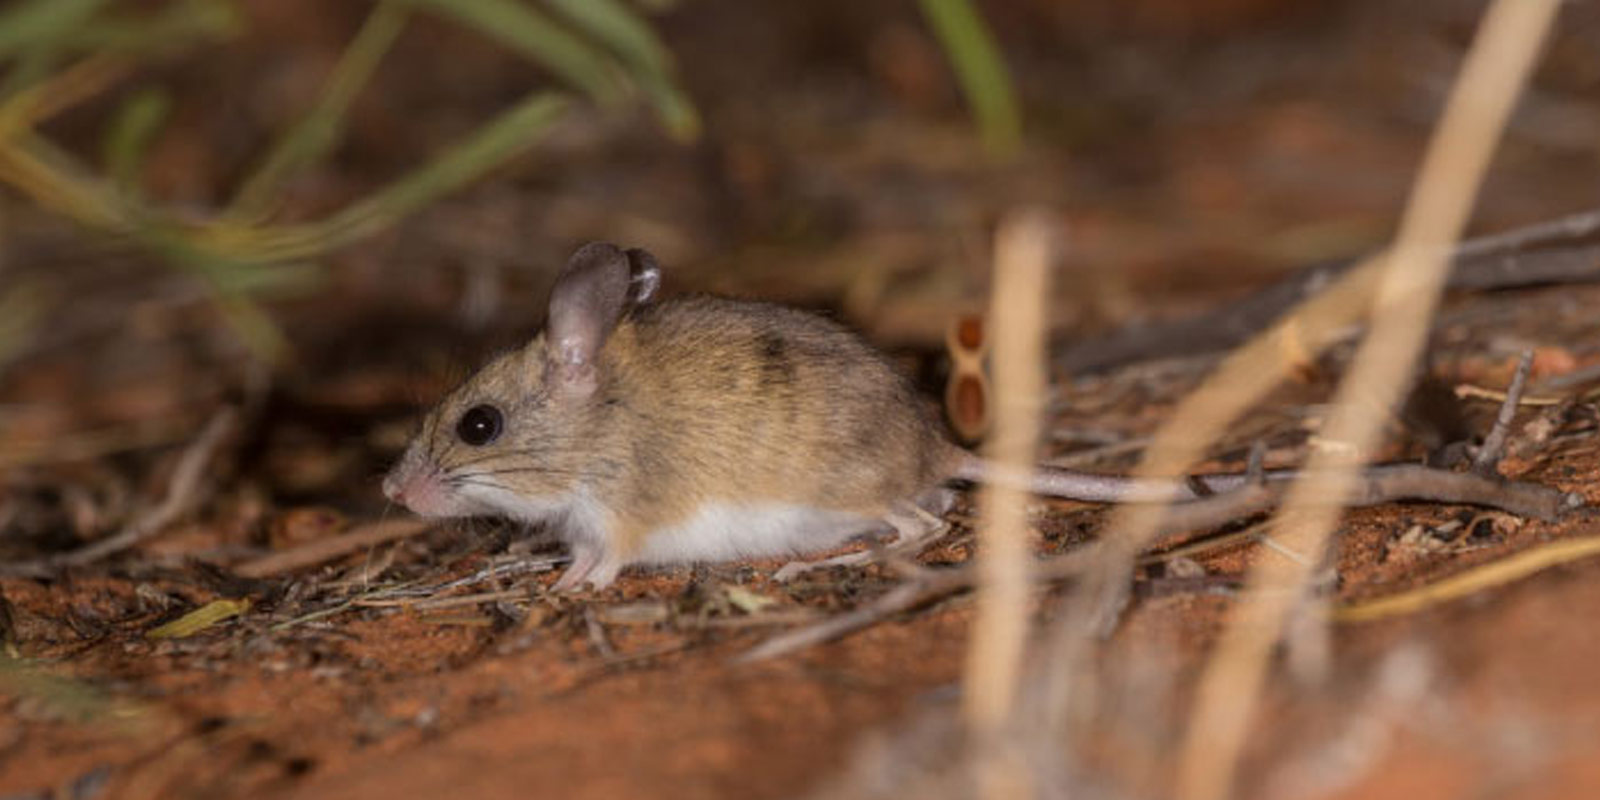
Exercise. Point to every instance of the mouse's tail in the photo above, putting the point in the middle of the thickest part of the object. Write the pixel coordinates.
(1092, 488)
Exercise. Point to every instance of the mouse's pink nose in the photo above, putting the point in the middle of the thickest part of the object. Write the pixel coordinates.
(419, 490)
(392, 489)
(411, 491)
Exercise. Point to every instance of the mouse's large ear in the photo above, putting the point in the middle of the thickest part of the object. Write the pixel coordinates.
(646, 276)
(589, 297)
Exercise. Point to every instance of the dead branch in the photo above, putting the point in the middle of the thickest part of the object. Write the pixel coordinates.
(1388, 482)
(1565, 250)
(1380, 485)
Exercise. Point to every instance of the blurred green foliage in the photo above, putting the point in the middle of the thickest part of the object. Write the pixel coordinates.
(58, 53)
(61, 698)
(983, 74)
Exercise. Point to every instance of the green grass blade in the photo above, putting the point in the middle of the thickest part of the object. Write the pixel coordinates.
(234, 284)
(30, 24)
(677, 113)
(22, 308)
(497, 141)
(321, 129)
(32, 64)
(128, 137)
(619, 28)
(633, 40)
(513, 131)
(60, 696)
(56, 180)
(536, 37)
(177, 26)
(33, 33)
(983, 75)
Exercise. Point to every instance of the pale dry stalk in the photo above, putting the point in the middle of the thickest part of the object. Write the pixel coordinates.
(1495, 70)
(1017, 319)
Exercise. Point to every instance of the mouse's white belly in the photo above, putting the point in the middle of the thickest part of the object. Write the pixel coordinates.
(729, 532)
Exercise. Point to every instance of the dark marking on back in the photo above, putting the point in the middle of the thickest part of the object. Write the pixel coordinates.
(777, 364)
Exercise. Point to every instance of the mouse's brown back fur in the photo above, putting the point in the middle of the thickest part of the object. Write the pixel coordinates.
(729, 400)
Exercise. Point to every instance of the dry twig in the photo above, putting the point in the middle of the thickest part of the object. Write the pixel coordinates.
(1242, 379)
(1487, 462)
(1467, 391)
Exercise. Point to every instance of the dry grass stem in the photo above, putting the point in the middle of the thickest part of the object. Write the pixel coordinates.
(1023, 255)
(1477, 579)
(1490, 81)
(71, 86)
(443, 602)
(1467, 391)
(320, 551)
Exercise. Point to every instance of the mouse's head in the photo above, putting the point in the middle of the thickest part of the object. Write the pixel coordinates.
(511, 439)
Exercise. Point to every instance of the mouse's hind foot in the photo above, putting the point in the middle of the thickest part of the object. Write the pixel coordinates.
(591, 565)
(915, 528)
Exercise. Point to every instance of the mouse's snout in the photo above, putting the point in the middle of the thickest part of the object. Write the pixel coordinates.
(392, 488)
(419, 487)
(409, 488)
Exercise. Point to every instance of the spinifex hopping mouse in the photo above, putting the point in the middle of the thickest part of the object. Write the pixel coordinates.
(698, 429)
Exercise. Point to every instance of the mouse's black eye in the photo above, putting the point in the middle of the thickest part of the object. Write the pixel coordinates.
(480, 425)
